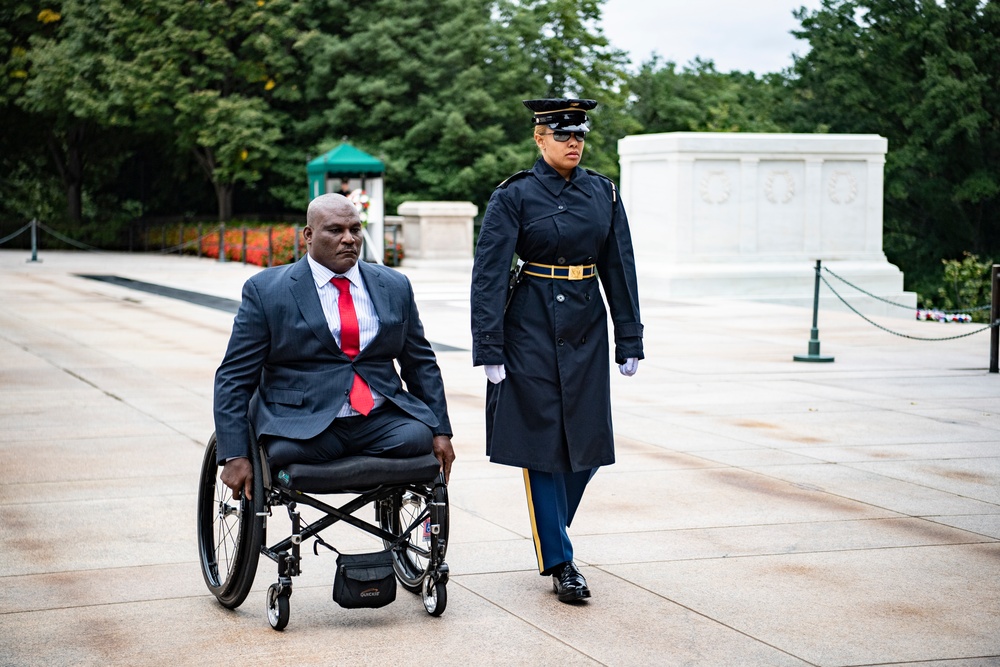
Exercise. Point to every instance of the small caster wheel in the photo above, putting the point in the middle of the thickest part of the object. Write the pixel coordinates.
(278, 609)
(434, 595)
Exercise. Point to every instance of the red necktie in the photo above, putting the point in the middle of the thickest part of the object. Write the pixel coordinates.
(350, 343)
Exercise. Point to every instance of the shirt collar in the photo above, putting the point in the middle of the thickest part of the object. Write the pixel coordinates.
(554, 182)
(322, 275)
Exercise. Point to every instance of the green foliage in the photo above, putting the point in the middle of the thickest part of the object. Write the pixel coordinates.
(926, 75)
(698, 98)
(25, 194)
(116, 109)
(964, 284)
(207, 74)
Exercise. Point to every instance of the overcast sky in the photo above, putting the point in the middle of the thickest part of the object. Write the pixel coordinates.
(745, 35)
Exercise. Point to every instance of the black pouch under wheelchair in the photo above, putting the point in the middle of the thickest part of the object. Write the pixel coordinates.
(410, 500)
(364, 580)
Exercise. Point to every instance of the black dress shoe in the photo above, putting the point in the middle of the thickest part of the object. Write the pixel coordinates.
(569, 583)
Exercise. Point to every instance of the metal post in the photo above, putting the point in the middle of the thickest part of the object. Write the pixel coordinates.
(395, 245)
(270, 245)
(814, 354)
(222, 241)
(34, 240)
(994, 316)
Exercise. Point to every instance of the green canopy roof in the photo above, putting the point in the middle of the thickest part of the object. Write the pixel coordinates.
(345, 160)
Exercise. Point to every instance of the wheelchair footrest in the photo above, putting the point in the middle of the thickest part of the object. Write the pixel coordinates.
(357, 473)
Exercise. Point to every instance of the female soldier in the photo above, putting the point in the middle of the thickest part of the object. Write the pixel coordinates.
(545, 350)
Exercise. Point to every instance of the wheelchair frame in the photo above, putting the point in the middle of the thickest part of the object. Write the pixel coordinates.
(232, 533)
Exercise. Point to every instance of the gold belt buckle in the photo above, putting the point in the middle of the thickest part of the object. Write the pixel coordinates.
(576, 273)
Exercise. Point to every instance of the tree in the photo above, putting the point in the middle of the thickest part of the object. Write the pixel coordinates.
(698, 98)
(556, 48)
(207, 72)
(407, 82)
(926, 75)
(131, 98)
(60, 77)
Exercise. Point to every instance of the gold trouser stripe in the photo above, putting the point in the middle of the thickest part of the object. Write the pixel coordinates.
(531, 518)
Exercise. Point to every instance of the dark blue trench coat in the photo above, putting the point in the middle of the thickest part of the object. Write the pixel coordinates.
(553, 411)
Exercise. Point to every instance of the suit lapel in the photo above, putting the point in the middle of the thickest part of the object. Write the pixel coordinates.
(372, 278)
(303, 289)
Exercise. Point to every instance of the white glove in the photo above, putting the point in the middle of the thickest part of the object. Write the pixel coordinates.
(496, 374)
(629, 368)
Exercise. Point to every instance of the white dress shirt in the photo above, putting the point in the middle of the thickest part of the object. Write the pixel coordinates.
(367, 317)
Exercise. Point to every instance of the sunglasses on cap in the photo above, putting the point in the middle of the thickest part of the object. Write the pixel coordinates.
(563, 137)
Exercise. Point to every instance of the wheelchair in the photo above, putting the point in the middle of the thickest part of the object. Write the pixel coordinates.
(409, 496)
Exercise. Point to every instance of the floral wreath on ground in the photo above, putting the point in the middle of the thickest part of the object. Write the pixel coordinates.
(934, 315)
(361, 201)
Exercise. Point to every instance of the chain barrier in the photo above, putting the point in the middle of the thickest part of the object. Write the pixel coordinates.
(900, 305)
(896, 333)
(15, 234)
(185, 244)
(90, 248)
(195, 242)
(66, 239)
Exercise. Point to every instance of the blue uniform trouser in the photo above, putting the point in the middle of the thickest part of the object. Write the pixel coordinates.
(552, 502)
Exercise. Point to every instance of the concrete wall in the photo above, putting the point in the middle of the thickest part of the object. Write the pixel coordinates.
(437, 230)
(747, 215)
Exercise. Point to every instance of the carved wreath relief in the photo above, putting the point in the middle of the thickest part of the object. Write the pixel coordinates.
(842, 193)
(715, 187)
(789, 190)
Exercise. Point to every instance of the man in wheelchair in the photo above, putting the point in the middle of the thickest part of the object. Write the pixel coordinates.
(311, 361)
(310, 378)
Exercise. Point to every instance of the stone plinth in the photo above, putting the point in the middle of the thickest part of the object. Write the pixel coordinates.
(437, 230)
(747, 216)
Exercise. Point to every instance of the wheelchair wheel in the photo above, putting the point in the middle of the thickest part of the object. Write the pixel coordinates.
(411, 560)
(278, 608)
(435, 596)
(230, 532)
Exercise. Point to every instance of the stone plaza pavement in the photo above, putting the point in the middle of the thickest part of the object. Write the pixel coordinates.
(762, 511)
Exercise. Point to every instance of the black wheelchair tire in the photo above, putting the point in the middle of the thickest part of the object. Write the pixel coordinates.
(230, 533)
(395, 514)
(278, 608)
(434, 595)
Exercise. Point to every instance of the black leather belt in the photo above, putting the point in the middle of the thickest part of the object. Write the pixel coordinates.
(578, 272)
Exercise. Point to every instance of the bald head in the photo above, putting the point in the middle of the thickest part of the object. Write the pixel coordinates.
(328, 205)
(333, 232)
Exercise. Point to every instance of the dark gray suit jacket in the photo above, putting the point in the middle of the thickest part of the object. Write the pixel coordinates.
(284, 370)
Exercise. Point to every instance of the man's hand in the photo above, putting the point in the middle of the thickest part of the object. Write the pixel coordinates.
(445, 453)
(237, 474)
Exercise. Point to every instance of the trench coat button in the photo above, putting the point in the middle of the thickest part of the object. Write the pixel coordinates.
(560, 298)
(587, 297)
(561, 207)
(561, 260)
(583, 340)
(347, 393)
(560, 342)
(487, 336)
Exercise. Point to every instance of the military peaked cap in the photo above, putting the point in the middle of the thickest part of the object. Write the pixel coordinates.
(562, 113)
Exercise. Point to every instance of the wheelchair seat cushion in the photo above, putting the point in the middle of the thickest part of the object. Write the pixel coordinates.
(356, 473)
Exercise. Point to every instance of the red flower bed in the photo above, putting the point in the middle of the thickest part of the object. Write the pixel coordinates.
(280, 247)
(261, 242)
